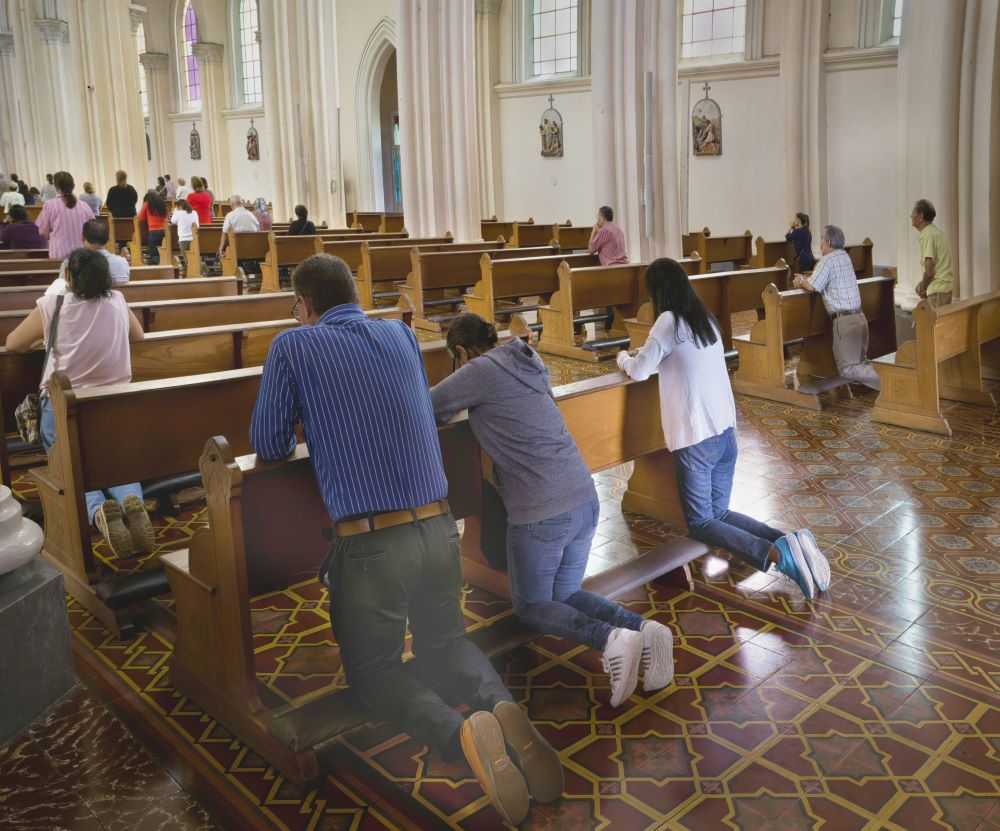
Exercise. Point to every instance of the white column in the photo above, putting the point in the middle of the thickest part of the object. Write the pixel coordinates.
(488, 105)
(803, 84)
(52, 90)
(302, 128)
(11, 148)
(215, 140)
(437, 114)
(161, 137)
(627, 40)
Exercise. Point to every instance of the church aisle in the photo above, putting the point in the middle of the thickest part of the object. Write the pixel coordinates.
(875, 707)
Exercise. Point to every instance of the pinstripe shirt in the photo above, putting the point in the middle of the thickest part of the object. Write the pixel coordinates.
(359, 388)
(834, 278)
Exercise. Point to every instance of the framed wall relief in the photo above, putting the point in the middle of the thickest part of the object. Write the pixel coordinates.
(195, 142)
(253, 144)
(550, 130)
(706, 126)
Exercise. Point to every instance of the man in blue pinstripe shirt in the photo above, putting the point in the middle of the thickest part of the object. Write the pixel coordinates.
(358, 387)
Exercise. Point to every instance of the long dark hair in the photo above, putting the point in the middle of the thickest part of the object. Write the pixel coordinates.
(803, 219)
(64, 183)
(155, 204)
(472, 333)
(670, 291)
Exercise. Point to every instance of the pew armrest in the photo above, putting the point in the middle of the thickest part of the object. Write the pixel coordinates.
(180, 561)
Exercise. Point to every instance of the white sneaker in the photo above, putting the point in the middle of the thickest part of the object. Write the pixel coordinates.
(657, 656)
(622, 654)
(817, 562)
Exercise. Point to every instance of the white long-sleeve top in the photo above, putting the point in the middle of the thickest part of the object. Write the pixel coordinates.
(696, 400)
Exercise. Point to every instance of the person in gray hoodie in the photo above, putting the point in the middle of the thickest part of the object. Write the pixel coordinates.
(551, 504)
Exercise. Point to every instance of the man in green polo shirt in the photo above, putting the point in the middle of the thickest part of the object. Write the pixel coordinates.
(935, 254)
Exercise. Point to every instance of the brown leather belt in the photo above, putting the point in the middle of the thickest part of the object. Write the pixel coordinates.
(388, 519)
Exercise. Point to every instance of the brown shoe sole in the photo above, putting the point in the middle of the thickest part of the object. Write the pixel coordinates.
(536, 758)
(139, 525)
(483, 745)
(108, 520)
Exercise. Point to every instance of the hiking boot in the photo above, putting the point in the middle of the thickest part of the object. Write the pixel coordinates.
(657, 656)
(536, 758)
(819, 567)
(139, 526)
(792, 563)
(108, 520)
(621, 657)
(483, 746)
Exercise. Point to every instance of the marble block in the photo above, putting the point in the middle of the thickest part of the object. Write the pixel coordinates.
(36, 662)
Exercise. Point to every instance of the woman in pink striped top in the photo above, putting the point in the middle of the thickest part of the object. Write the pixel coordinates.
(61, 220)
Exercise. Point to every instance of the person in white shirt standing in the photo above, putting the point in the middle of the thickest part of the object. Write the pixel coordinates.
(239, 219)
(11, 196)
(699, 424)
(182, 188)
(95, 237)
(186, 220)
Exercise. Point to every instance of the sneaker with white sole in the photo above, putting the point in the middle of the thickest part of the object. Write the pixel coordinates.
(792, 564)
(139, 526)
(819, 566)
(657, 656)
(622, 654)
(108, 520)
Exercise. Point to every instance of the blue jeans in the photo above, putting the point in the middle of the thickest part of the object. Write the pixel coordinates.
(153, 243)
(704, 484)
(47, 429)
(546, 562)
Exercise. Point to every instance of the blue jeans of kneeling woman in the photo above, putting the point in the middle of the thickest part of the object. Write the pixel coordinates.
(704, 485)
(47, 430)
(546, 562)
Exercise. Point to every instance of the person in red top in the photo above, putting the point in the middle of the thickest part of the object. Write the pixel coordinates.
(608, 239)
(201, 201)
(153, 213)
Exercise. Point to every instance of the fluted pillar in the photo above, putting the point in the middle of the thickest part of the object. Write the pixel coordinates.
(11, 139)
(437, 111)
(215, 141)
(302, 129)
(488, 105)
(161, 137)
(627, 40)
(51, 70)
(803, 83)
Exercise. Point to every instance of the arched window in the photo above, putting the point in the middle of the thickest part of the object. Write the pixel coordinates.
(249, 66)
(192, 76)
(140, 48)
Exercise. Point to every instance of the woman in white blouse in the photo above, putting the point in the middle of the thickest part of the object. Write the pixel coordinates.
(699, 425)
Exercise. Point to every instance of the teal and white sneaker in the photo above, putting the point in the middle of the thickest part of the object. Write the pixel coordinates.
(817, 562)
(792, 564)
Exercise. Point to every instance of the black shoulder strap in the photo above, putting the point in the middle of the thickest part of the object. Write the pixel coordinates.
(53, 330)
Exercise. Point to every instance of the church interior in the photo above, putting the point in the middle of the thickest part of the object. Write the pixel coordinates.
(472, 156)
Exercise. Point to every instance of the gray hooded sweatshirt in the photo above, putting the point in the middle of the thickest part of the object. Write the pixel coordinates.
(516, 421)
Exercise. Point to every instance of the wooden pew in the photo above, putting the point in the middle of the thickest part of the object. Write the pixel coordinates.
(248, 245)
(285, 252)
(24, 253)
(391, 263)
(492, 228)
(377, 221)
(795, 314)
(121, 231)
(724, 293)
(33, 211)
(44, 277)
(29, 264)
(771, 251)
(861, 257)
(441, 278)
(592, 287)
(233, 559)
(349, 248)
(945, 360)
(572, 237)
(16, 298)
(735, 249)
(528, 235)
(205, 242)
(509, 280)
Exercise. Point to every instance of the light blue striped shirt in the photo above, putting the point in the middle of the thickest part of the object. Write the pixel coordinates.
(835, 279)
(359, 388)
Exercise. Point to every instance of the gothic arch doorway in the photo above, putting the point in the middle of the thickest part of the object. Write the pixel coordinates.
(377, 122)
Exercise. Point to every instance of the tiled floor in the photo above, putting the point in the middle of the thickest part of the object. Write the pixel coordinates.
(875, 707)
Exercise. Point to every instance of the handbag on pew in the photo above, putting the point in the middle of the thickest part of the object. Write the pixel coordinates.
(29, 412)
(493, 525)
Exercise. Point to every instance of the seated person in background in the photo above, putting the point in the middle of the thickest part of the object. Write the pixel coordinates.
(551, 504)
(357, 385)
(95, 238)
(21, 232)
(608, 240)
(186, 220)
(11, 196)
(302, 226)
(699, 425)
(239, 219)
(835, 280)
(800, 237)
(93, 332)
(261, 214)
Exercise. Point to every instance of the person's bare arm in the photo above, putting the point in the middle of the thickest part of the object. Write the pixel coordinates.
(27, 333)
(134, 328)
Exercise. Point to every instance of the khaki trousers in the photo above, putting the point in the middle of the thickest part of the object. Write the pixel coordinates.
(939, 298)
(850, 350)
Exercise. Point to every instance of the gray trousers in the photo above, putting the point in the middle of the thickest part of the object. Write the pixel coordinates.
(850, 350)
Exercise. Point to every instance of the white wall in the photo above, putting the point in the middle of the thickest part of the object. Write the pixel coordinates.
(744, 188)
(183, 165)
(861, 157)
(250, 179)
(553, 189)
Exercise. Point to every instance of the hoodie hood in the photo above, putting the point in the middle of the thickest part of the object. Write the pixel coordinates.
(522, 363)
